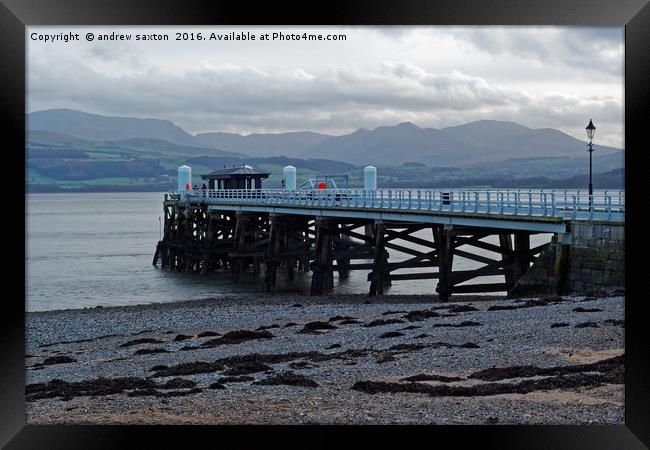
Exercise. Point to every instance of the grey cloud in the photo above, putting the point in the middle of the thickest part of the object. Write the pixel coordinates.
(597, 51)
(236, 98)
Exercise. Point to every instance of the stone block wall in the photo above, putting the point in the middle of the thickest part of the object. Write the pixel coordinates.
(593, 258)
(596, 257)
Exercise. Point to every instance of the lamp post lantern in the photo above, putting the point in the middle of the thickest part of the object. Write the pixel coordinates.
(590, 134)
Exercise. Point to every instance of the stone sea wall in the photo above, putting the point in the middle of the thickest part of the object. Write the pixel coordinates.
(590, 258)
(596, 257)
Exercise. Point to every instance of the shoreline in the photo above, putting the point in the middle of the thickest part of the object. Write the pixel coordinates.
(281, 299)
(288, 359)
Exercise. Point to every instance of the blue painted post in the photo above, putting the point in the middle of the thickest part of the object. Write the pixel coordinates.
(517, 196)
(553, 204)
(575, 208)
(609, 207)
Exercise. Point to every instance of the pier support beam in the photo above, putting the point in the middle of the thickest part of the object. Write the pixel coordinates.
(444, 238)
(272, 263)
(322, 277)
(507, 253)
(522, 254)
(380, 275)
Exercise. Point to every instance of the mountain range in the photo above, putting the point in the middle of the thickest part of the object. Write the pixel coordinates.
(468, 145)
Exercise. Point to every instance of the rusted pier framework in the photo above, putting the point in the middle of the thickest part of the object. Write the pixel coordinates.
(201, 241)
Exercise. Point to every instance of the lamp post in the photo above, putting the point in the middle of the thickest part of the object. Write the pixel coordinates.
(590, 134)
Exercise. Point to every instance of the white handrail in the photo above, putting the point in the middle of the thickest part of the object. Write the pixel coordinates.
(566, 203)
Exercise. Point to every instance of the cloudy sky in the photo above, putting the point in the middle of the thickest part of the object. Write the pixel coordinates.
(441, 76)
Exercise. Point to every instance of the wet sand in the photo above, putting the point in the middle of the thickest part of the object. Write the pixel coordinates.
(334, 359)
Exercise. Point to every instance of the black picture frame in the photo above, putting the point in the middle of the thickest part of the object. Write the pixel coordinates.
(15, 15)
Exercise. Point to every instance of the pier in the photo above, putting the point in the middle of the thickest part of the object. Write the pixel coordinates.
(330, 232)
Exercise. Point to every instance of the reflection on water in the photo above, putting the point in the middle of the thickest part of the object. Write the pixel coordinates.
(91, 249)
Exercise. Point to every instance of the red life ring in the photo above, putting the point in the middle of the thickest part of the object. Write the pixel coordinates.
(322, 185)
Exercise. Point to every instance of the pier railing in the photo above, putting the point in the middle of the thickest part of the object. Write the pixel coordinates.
(606, 205)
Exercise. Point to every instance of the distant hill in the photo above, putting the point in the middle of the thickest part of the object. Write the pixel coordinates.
(556, 166)
(272, 144)
(468, 145)
(104, 128)
(473, 143)
(49, 140)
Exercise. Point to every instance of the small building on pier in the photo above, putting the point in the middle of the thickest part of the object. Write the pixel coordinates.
(243, 177)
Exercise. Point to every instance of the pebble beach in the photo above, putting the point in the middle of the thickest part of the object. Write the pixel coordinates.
(337, 359)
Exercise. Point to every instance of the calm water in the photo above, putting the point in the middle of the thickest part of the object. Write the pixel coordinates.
(85, 250)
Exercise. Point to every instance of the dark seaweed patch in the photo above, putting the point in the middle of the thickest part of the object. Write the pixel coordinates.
(500, 373)
(416, 316)
(150, 351)
(208, 334)
(523, 387)
(61, 359)
(583, 310)
(190, 368)
(381, 322)
(587, 325)
(178, 383)
(104, 386)
(236, 337)
(431, 377)
(315, 327)
(391, 334)
(247, 368)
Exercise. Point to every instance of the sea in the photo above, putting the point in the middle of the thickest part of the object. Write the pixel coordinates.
(85, 250)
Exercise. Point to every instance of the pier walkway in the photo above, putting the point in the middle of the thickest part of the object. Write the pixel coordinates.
(529, 210)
